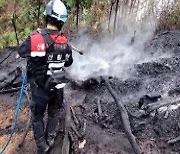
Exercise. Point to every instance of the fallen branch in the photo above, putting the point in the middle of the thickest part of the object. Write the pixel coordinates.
(125, 118)
(72, 126)
(16, 84)
(6, 57)
(74, 117)
(177, 139)
(155, 106)
(11, 90)
(99, 108)
(66, 141)
(84, 127)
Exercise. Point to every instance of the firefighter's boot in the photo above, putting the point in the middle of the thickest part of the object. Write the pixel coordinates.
(51, 130)
(39, 136)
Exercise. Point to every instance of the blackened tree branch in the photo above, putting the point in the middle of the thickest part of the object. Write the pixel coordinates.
(125, 118)
(6, 57)
(177, 139)
(154, 106)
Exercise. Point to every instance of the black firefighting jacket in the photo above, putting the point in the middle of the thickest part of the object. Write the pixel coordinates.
(48, 52)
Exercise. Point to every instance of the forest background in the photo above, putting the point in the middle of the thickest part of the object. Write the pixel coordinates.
(18, 18)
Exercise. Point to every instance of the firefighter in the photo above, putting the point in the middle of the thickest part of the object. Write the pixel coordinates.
(48, 54)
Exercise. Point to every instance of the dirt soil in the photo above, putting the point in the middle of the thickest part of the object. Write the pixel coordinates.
(104, 134)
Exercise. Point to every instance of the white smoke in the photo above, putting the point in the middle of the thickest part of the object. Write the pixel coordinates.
(118, 51)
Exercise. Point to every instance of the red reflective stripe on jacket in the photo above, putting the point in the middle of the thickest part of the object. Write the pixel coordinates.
(59, 38)
(38, 46)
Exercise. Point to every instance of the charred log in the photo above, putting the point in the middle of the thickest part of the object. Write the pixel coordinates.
(173, 141)
(154, 106)
(146, 99)
(10, 90)
(125, 118)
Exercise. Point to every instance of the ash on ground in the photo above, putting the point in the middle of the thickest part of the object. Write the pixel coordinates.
(148, 83)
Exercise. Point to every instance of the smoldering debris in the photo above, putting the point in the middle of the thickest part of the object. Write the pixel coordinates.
(114, 55)
(140, 81)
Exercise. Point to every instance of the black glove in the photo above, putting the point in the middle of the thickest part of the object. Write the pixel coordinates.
(62, 76)
(57, 78)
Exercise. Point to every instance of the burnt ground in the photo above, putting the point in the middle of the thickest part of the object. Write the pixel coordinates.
(148, 82)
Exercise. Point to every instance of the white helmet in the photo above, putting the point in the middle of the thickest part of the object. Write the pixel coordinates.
(56, 9)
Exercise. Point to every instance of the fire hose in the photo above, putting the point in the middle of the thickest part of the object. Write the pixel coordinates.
(16, 113)
(101, 62)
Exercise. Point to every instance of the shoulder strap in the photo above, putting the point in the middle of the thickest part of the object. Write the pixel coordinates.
(47, 38)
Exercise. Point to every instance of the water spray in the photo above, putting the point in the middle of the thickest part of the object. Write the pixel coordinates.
(101, 62)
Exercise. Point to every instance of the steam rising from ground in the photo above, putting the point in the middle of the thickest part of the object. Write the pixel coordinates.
(119, 50)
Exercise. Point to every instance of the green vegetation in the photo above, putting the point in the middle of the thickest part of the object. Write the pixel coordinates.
(170, 18)
(87, 13)
(26, 20)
